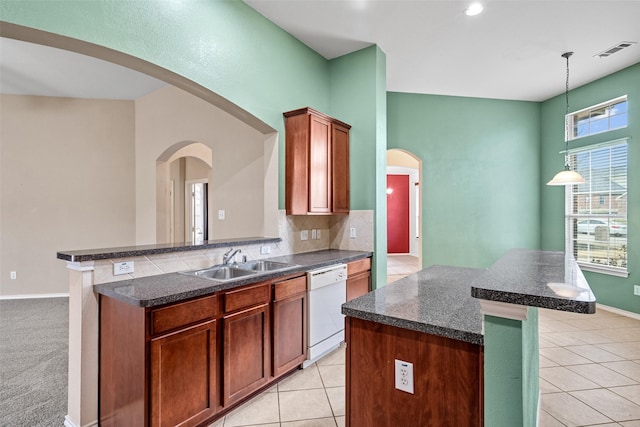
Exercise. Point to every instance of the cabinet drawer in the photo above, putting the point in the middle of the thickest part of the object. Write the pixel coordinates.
(359, 266)
(246, 297)
(183, 314)
(286, 288)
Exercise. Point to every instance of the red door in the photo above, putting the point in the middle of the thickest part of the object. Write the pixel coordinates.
(398, 214)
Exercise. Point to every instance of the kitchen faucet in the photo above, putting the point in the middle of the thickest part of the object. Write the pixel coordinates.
(228, 256)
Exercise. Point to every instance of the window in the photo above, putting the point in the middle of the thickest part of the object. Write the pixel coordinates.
(596, 211)
(600, 118)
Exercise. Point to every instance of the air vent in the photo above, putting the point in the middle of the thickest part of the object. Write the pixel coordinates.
(614, 49)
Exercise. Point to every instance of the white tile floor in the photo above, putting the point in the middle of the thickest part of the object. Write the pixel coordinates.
(589, 369)
(313, 397)
(589, 375)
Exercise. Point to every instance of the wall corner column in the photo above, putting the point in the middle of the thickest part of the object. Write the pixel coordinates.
(511, 365)
(82, 404)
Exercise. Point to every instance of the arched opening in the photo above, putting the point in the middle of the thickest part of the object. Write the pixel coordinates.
(404, 214)
(183, 172)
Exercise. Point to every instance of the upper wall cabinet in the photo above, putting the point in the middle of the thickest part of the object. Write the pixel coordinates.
(317, 164)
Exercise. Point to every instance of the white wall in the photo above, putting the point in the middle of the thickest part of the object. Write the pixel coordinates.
(170, 116)
(81, 174)
(67, 172)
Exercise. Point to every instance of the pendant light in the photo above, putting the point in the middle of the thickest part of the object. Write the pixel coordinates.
(567, 176)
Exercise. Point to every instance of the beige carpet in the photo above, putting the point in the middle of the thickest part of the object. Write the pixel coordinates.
(34, 342)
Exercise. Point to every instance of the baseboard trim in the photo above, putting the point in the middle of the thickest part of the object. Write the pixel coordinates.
(618, 311)
(33, 296)
(69, 423)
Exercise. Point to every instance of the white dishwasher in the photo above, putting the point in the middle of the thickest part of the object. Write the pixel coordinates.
(327, 289)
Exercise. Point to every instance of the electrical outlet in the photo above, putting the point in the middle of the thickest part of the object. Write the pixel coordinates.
(636, 290)
(404, 376)
(265, 250)
(318, 234)
(14, 275)
(314, 234)
(221, 214)
(122, 268)
(352, 232)
(304, 235)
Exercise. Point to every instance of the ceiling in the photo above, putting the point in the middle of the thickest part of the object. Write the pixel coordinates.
(510, 51)
(33, 69)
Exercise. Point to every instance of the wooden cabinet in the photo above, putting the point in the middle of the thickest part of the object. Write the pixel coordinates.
(189, 362)
(289, 324)
(358, 278)
(317, 163)
(158, 366)
(183, 376)
(247, 337)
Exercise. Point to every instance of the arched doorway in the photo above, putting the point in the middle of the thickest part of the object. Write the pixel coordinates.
(404, 213)
(180, 171)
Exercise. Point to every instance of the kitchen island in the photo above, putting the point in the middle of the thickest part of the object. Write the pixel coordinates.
(469, 336)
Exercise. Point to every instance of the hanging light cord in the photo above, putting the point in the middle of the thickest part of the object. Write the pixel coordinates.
(566, 121)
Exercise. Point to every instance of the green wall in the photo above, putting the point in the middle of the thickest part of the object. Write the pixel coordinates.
(480, 167)
(609, 290)
(511, 370)
(358, 96)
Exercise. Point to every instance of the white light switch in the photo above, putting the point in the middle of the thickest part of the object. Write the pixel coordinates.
(314, 234)
(304, 235)
(352, 232)
(221, 214)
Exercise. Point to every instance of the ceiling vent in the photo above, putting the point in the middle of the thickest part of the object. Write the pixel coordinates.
(614, 49)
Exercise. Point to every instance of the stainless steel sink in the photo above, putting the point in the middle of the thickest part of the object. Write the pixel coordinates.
(264, 265)
(221, 272)
(235, 271)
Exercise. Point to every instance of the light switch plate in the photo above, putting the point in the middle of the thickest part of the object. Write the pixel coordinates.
(304, 235)
(636, 290)
(265, 250)
(352, 232)
(314, 234)
(221, 214)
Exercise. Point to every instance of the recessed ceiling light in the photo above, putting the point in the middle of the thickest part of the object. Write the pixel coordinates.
(474, 9)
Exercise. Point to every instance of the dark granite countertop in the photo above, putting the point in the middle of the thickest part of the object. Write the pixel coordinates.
(162, 289)
(436, 300)
(538, 279)
(154, 249)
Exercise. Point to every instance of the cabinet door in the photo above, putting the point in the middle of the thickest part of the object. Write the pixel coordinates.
(358, 284)
(246, 352)
(319, 165)
(340, 166)
(183, 376)
(289, 325)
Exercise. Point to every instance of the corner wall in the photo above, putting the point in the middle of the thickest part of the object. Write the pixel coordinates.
(358, 97)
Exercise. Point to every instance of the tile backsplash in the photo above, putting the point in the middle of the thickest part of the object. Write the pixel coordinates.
(334, 234)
